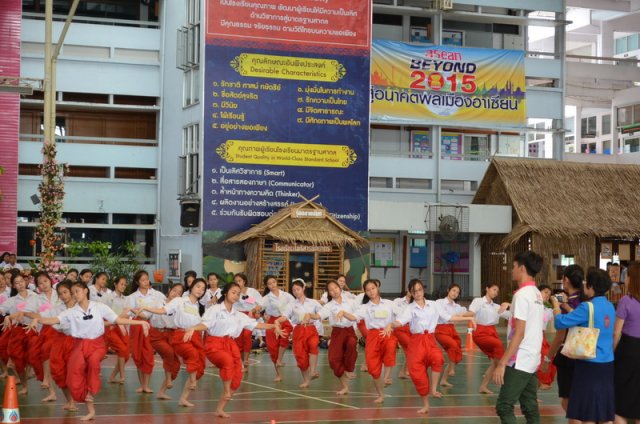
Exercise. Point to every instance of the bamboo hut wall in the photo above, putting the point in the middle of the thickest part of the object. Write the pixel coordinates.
(582, 248)
(252, 250)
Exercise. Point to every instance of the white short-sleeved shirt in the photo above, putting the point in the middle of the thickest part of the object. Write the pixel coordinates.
(448, 309)
(18, 303)
(222, 323)
(89, 324)
(420, 319)
(276, 305)
(101, 296)
(59, 308)
(248, 300)
(377, 316)
(117, 302)
(42, 305)
(527, 306)
(331, 309)
(5, 294)
(205, 300)
(347, 295)
(163, 320)
(185, 313)
(486, 311)
(153, 299)
(296, 311)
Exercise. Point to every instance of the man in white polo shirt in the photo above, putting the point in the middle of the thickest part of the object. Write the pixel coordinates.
(516, 371)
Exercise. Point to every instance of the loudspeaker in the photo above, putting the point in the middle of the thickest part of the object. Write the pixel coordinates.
(190, 214)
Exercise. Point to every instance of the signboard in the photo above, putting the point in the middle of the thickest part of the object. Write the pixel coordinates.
(297, 247)
(285, 109)
(413, 84)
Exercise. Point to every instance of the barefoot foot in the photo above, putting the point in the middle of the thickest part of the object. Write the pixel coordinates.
(485, 391)
(436, 394)
(51, 398)
(185, 403)
(446, 384)
(163, 396)
(88, 417)
(222, 414)
(423, 411)
(379, 399)
(342, 392)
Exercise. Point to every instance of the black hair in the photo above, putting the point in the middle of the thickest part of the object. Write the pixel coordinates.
(190, 273)
(116, 280)
(14, 275)
(365, 298)
(135, 282)
(72, 270)
(412, 283)
(346, 286)
(264, 282)
(42, 274)
(213, 273)
(201, 307)
(98, 275)
(225, 290)
(174, 286)
(575, 275)
(64, 284)
(531, 261)
(297, 282)
(241, 276)
(599, 280)
(5, 254)
(489, 285)
(329, 298)
(84, 271)
(81, 285)
(545, 287)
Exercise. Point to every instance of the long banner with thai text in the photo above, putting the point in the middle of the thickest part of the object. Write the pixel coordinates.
(431, 84)
(286, 111)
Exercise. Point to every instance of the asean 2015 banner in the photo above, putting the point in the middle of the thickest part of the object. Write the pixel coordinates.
(286, 109)
(436, 84)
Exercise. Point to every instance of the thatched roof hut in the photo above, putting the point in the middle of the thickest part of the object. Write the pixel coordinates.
(306, 227)
(561, 207)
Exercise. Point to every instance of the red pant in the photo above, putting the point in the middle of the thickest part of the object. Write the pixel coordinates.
(64, 344)
(223, 352)
(4, 345)
(546, 377)
(403, 334)
(24, 349)
(47, 336)
(160, 340)
(274, 342)
(34, 350)
(83, 369)
(487, 339)
(362, 327)
(191, 352)
(141, 349)
(449, 339)
(343, 350)
(422, 353)
(379, 351)
(117, 341)
(305, 342)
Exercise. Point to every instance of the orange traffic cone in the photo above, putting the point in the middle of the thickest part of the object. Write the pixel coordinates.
(10, 410)
(468, 344)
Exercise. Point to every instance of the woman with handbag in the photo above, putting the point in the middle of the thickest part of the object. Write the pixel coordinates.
(592, 391)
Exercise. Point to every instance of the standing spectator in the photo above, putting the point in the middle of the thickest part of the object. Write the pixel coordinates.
(592, 393)
(572, 286)
(11, 262)
(626, 342)
(516, 370)
(4, 258)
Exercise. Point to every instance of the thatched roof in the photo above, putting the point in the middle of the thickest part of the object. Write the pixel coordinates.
(564, 199)
(282, 226)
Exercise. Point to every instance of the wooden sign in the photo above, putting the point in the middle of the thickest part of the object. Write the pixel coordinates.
(308, 213)
(296, 247)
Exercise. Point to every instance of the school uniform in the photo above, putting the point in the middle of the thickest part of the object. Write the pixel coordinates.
(41, 351)
(446, 333)
(87, 329)
(379, 350)
(141, 349)
(101, 296)
(5, 334)
(402, 333)
(186, 315)
(305, 336)
(223, 327)
(64, 343)
(160, 337)
(422, 351)
(273, 307)
(343, 349)
(248, 300)
(360, 324)
(208, 295)
(20, 343)
(117, 336)
(485, 336)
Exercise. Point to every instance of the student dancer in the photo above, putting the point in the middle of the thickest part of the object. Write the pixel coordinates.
(213, 292)
(85, 276)
(72, 275)
(303, 313)
(161, 337)
(20, 342)
(189, 277)
(38, 356)
(5, 293)
(360, 325)
(446, 333)
(274, 301)
(380, 347)
(185, 311)
(343, 349)
(86, 326)
(249, 299)
(546, 376)
(99, 291)
(403, 334)
(223, 324)
(422, 352)
(341, 279)
(141, 349)
(485, 336)
(117, 336)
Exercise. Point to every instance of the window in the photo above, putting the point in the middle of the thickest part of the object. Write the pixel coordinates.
(589, 127)
(188, 53)
(625, 116)
(380, 182)
(606, 124)
(621, 45)
(476, 147)
(413, 183)
(632, 145)
(190, 161)
(191, 88)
